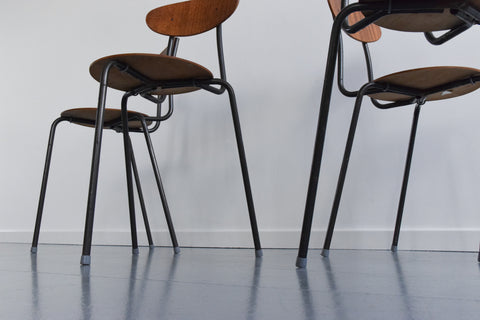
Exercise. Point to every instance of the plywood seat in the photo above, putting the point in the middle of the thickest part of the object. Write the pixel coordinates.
(422, 22)
(112, 117)
(427, 78)
(157, 67)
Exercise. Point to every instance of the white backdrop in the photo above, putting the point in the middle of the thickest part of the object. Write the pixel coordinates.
(275, 52)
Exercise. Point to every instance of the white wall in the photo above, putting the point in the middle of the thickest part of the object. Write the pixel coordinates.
(275, 52)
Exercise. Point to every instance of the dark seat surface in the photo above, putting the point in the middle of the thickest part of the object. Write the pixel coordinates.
(422, 22)
(426, 78)
(87, 117)
(157, 67)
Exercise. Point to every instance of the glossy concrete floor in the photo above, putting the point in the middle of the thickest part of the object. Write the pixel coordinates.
(211, 284)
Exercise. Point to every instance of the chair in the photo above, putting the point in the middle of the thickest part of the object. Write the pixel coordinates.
(361, 21)
(153, 77)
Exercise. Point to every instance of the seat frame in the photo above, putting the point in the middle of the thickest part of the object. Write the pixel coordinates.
(466, 13)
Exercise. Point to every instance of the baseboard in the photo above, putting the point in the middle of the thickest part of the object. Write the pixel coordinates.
(418, 239)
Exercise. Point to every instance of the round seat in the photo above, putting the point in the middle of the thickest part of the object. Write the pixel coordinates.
(422, 22)
(428, 78)
(157, 67)
(87, 117)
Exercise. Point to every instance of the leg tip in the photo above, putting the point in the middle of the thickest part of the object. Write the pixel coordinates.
(394, 248)
(301, 263)
(85, 260)
(135, 251)
(325, 253)
(259, 253)
(33, 250)
(151, 246)
(176, 250)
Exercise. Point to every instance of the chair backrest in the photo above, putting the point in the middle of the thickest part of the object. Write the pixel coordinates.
(371, 33)
(190, 17)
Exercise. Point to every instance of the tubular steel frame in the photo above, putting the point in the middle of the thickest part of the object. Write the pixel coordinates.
(216, 86)
(378, 9)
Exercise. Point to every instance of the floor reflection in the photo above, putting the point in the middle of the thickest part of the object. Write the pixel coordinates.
(35, 291)
(306, 293)
(138, 282)
(232, 284)
(338, 302)
(86, 300)
(253, 299)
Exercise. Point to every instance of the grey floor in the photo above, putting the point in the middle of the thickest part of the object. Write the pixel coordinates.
(232, 284)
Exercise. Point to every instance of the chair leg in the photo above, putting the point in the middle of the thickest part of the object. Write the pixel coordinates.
(92, 189)
(405, 178)
(342, 175)
(243, 164)
(128, 168)
(140, 197)
(43, 189)
(319, 142)
(161, 191)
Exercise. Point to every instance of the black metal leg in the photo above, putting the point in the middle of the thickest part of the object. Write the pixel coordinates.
(405, 178)
(140, 197)
(163, 197)
(43, 189)
(128, 167)
(319, 142)
(92, 189)
(342, 175)
(243, 164)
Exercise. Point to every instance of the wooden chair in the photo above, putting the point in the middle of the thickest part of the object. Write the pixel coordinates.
(154, 76)
(361, 21)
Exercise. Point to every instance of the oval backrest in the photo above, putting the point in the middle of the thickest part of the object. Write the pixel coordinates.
(190, 17)
(371, 33)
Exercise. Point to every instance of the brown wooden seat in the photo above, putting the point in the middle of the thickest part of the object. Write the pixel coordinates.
(422, 22)
(362, 22)
(157, 67)
(427, 78)
(113, 117)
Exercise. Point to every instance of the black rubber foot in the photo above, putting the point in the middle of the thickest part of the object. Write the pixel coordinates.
(325, 253)
(33, 250)
(258, 253)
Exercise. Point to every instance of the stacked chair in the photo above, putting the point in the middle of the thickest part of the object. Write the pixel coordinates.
(362, 21)
(154, 77)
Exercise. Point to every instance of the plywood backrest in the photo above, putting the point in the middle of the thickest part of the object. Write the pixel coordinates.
(190, 17)
(370, 33)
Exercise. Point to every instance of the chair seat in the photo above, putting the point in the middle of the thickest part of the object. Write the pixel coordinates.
(427, 78)
(421, 22)
(154, 66)
(87, 117)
